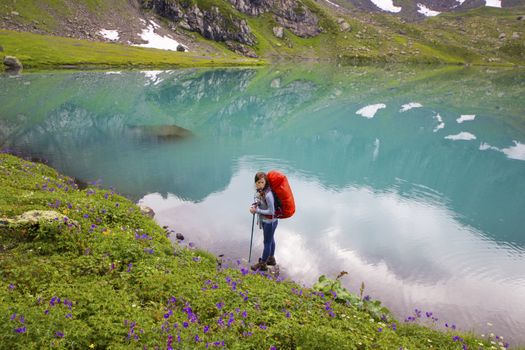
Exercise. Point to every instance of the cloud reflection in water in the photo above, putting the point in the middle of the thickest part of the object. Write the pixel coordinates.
(411, 251)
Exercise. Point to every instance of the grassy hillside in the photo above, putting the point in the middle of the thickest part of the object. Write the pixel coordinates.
(45, 51)
(93, 272)
(468, 37)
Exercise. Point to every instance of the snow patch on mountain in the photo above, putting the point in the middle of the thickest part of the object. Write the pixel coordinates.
(493, 3)
(386, 5)
(109, 34)
(155, 40)
(426, 11)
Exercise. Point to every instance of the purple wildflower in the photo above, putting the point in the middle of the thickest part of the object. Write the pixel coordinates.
(21, 329)
(170, 340)
(59, 334)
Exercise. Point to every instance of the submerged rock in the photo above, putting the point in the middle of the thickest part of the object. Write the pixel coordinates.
(161, 132)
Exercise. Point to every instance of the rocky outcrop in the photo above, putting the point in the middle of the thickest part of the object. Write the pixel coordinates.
(226, 25)
(291, 14)
(211, 23)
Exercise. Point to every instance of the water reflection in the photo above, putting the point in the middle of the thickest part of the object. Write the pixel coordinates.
(417, 192)
(410, 252)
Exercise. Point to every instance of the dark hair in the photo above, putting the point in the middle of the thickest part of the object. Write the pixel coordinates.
(262, 175)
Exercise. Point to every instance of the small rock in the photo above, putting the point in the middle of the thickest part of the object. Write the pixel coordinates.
(521, 18)
(14, 13)
(147, 211)
(12, 63)
(502, 36)
(515, 35)
(180, 48)
(276, 83)
(179, 236)
(344, 26)
(278, 32)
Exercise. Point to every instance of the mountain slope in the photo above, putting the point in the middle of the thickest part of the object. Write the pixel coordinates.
(351, 31)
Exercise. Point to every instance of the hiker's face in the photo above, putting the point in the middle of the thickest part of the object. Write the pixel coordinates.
(260, 183)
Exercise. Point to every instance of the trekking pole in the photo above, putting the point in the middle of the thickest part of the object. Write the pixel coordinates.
(251, 239)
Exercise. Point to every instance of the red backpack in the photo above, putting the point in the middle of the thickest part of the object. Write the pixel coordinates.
(284, 202)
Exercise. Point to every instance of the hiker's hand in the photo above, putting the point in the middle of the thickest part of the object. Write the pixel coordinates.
(252, 209)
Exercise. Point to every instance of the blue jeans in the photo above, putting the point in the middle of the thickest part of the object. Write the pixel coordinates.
(269, 241)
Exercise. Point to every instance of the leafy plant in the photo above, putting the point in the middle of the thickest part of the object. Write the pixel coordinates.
(342, 295)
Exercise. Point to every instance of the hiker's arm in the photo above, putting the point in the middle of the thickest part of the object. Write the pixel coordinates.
(271, 205)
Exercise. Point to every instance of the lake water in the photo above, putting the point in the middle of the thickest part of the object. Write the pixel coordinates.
(411, 179)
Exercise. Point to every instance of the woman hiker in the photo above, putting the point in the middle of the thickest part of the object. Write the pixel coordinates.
(265, 207)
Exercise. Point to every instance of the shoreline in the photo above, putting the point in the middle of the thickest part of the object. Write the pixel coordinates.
(137, 256)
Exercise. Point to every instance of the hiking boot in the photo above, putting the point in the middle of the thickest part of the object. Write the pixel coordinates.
(271, 261)
(261, 266)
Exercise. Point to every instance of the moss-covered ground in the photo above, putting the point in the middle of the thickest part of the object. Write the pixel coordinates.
(99, 274)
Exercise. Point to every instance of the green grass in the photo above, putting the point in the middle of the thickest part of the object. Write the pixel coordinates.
(103, 275)
(46, 52)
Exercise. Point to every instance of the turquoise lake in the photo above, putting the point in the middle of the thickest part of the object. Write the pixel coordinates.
(411, 179)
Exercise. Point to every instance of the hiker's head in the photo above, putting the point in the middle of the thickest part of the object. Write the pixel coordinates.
(261, 181)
